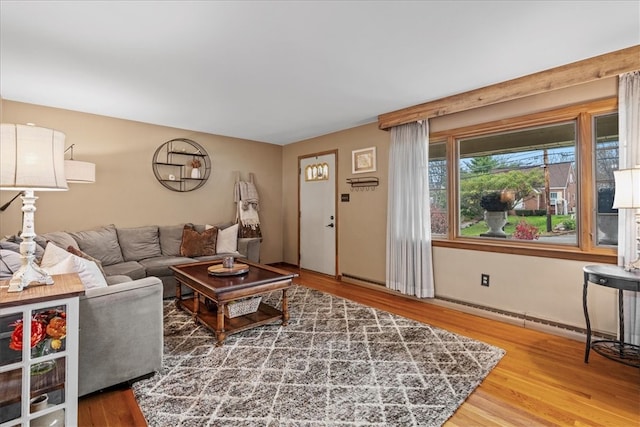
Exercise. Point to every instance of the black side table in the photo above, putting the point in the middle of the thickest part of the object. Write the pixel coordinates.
(612, 277)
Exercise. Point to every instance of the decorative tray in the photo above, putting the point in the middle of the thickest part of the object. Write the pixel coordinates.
(236, 270)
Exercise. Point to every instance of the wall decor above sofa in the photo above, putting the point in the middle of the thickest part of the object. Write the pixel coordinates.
(181, 165)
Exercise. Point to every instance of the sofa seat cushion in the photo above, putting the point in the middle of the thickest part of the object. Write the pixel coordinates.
(133, 269)
(139, 242)
(101, 243)
(159, 266)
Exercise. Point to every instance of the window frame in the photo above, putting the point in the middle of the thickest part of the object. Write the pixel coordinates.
(586, 248)
(446, 182)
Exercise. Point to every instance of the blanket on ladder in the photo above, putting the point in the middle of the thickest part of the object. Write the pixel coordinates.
(248, 204)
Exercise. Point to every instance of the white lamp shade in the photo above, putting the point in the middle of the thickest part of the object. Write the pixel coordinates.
(627, 188)
(31, 158)
(79, 172)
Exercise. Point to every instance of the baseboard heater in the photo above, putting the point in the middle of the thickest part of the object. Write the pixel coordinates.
(524, 320)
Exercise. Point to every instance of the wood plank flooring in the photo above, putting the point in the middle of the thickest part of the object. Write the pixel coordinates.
(541, 381)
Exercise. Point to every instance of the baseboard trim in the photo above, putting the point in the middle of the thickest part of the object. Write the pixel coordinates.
(362, 279)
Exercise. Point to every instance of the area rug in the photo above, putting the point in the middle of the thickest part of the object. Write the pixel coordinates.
(337, 363)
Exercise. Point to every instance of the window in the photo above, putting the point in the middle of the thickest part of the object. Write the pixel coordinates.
(529, 168)
(606, 161)
(549, 176)
(319, 172)
(438, 188)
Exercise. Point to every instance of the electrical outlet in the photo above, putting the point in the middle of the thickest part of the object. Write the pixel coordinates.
(484, 280)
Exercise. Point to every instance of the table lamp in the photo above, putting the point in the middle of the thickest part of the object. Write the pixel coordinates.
(31, 159)
(628, 197)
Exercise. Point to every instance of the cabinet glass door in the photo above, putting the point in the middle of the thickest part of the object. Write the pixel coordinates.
(41, 366)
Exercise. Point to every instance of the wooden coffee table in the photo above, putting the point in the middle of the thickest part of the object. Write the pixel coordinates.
(222, 290)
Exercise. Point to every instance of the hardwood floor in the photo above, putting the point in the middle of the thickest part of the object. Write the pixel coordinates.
(541, 381)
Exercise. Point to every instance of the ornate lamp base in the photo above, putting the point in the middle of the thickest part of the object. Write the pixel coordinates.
(29, 272)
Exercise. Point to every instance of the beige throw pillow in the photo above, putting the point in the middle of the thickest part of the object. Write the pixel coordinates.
(58, 261)
(227, 240)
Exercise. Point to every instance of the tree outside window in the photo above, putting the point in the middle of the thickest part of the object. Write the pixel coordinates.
(531, 164)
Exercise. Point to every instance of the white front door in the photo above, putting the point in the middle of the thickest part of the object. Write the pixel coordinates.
(318, 213)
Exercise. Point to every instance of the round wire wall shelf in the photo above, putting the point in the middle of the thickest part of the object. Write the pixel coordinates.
(181, 165)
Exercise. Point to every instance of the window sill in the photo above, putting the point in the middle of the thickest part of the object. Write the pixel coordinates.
(543, 251)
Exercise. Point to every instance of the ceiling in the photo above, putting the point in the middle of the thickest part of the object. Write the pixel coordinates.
(285, 71)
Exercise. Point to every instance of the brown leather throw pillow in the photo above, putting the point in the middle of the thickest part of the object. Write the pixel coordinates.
(198, 244)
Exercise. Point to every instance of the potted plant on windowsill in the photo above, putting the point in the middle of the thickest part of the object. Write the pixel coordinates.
(496, 204)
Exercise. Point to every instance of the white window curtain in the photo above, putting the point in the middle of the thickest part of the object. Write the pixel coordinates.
(629, 153)
(409, 258)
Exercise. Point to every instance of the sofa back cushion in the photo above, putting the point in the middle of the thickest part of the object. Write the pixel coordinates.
(101, 243)
(139, 242)
(61, 239)
(170, 239)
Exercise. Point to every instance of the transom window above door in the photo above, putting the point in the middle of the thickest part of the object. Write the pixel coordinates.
(317, 172)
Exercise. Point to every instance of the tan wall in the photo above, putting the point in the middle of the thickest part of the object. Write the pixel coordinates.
(543, 288)
(362, 220)
(126, 192)
(540, 287)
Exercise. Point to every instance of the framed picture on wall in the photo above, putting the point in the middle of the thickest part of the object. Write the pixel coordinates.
(364, 160)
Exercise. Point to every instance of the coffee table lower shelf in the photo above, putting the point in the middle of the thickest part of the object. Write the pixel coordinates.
(209, 318)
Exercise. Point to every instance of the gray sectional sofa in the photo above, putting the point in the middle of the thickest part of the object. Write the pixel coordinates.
(121, 325)
(134, 253)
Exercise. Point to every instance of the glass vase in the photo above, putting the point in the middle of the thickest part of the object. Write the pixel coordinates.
(41, 350)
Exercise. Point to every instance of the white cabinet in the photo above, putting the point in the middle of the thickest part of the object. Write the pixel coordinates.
(39, 384)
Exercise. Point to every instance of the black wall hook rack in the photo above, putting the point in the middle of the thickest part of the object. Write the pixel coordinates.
(363, 182)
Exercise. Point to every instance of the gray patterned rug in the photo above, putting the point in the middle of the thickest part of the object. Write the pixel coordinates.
(337, 363)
